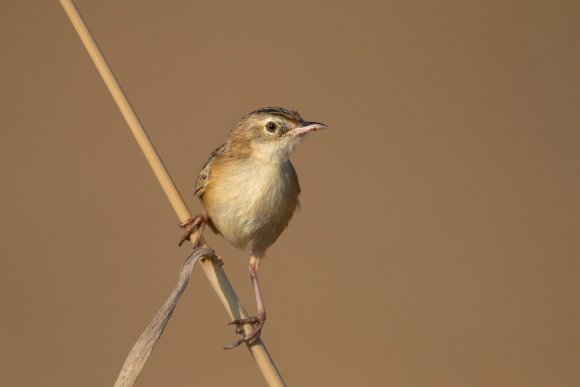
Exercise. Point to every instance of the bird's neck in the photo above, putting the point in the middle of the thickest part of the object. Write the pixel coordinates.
(268, 154)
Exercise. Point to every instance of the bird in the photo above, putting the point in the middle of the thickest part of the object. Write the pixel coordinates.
(249, 191)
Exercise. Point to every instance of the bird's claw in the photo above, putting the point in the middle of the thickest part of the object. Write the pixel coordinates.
(253, 337)
(190, 225)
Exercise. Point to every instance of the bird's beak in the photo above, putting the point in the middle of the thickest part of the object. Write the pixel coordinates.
(307, 127)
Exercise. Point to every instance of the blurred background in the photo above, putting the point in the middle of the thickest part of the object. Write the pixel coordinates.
(439, 237)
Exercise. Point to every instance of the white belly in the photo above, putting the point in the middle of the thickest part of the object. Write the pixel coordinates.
(252, 205)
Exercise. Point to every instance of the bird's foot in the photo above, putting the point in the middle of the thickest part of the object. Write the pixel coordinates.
(190, 225)
(251, 339)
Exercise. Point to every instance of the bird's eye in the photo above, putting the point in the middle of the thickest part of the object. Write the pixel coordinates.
(271, 127)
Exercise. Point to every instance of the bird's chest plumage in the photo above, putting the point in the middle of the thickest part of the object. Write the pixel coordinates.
(250, 203)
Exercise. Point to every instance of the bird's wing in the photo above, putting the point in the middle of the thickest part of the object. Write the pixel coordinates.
(202, 179)
(294, 177)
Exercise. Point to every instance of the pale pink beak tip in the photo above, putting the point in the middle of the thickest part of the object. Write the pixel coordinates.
(308, 127)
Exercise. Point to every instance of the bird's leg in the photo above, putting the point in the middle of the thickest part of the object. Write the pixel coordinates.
(197, 221)
(256, 321)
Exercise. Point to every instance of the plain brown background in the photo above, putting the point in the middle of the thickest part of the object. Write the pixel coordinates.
(438, 242)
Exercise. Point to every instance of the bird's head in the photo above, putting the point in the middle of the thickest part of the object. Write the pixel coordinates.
(271, 133)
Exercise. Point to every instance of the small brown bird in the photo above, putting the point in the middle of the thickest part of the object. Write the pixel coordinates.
(249, 190)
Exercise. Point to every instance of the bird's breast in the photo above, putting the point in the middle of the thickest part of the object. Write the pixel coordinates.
(250, 203)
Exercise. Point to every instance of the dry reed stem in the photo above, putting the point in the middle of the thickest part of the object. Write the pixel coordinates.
(144, 346)
(211, 267)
